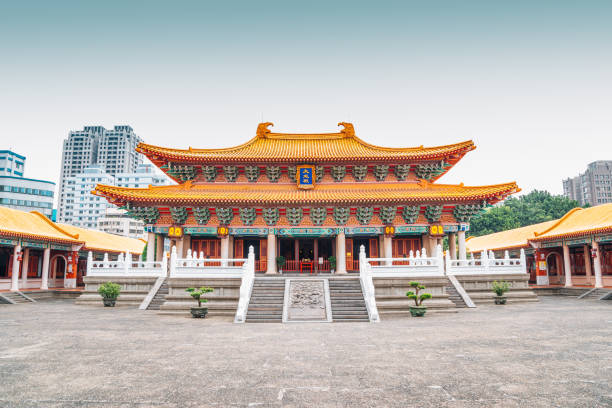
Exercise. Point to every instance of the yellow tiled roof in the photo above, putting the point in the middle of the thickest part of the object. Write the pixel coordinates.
(291, 147)
(270, 194)
(102, 241)
(32, 225)
(514, 238)
(579, 222)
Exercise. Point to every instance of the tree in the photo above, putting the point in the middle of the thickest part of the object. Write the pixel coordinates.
(535, 207)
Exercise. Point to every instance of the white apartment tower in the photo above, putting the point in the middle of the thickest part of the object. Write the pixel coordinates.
(112, 150)
(86, 210)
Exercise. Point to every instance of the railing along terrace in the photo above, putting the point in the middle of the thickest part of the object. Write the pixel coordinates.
(487, 264)
(124, 266)
(367, 286)
(417, 264)
(246, 287)
(199, 267)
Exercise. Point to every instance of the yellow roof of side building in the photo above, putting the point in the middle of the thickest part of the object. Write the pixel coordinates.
(36, 226)
(510, 239)
(577, 222)
(33, 225)
(104, 242)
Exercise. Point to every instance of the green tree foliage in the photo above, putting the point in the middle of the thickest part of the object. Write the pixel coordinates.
(537, 206)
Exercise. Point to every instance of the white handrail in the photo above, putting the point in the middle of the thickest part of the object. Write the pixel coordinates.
(246, 287)
(487, 264)
(417, 264)
(199, 267)
(367, 286)
(125, 267)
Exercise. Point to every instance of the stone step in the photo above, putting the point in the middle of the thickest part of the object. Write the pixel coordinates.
(348, 312)
(251, 320)
(353, 317)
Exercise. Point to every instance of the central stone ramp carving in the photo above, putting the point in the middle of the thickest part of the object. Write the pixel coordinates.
(307, 300)
(347, 300)
(266, 304)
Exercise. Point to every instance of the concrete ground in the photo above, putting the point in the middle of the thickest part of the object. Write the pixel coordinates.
(555, 353)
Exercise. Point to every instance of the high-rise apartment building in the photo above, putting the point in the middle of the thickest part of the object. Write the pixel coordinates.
(84, 209)
(112, 150)
(22, 193)
(593, 187)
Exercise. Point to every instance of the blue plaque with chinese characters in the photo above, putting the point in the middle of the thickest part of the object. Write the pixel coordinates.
(305, 176)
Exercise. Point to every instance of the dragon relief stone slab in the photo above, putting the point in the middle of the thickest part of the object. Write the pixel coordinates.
(306, 301)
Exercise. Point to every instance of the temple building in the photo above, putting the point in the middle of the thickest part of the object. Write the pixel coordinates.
(305, 202)
(575, 250)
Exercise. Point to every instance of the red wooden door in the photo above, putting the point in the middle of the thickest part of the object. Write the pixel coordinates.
(238, 248)
(373, 249)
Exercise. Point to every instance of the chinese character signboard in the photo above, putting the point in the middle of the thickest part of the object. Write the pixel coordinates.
(305, 176)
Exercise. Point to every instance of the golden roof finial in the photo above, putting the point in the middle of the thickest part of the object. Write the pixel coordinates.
(349, 130)
(262, 129)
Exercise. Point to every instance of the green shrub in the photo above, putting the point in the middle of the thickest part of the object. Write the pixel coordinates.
(109, 290)
(500, 287)
(280, 261)
(332, 262)
(197, 294)
(416, 295)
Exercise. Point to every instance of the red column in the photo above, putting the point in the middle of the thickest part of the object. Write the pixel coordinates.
(72, 272)
(541, 274)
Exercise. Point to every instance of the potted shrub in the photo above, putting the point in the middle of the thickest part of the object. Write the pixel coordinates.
(197, 295)
(500, 288)
(109, 292)
(418, 310)
(332, 263)
(280, 262)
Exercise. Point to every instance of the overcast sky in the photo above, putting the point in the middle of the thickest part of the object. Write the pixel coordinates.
(529, 81)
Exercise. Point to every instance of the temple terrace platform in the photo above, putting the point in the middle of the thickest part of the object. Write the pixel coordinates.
(555, 352)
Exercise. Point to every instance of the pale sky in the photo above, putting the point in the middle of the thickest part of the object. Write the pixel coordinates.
(529, 81)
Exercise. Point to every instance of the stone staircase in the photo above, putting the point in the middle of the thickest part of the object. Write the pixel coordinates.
(160, 297)
(596, 294)
(574, 292)
(454, 296)
(266, 304)
(347, 303)
(15, 298)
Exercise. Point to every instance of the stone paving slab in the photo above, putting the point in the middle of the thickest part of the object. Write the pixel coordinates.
(555, 353)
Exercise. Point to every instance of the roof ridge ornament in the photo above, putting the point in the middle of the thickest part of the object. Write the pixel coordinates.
(262, 129)
(349, 129)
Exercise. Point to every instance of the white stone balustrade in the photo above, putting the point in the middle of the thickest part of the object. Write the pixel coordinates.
(194, 266)
(246, 287)
(124, 266)
(367, 286)
(417, 264)
(487, 264)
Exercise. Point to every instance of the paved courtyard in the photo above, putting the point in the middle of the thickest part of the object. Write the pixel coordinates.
(557, 352)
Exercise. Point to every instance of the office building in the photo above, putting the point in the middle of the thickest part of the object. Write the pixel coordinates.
(22, 193)
(112, 150)
(84, 209)
(593, 187)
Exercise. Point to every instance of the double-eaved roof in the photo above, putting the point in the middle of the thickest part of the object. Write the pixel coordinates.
(578, 222)
(283, 150)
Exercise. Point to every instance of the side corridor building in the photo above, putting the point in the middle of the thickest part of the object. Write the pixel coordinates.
(575, 250)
